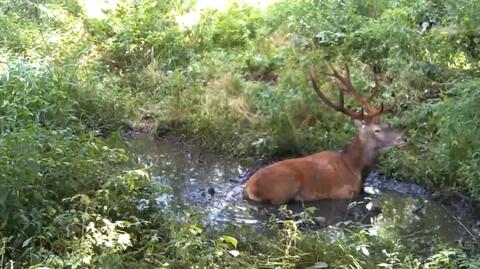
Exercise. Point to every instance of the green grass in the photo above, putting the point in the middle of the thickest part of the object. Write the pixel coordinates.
(70, 198)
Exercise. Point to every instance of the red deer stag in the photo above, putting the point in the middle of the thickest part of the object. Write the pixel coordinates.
(329, 174)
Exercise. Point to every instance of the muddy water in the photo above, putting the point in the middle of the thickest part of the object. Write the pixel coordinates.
(212, 185)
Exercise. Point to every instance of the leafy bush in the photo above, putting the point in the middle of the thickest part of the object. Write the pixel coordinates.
(246, 85)
(235, 27)
(142, 32)
(452, 124)
(73, 199)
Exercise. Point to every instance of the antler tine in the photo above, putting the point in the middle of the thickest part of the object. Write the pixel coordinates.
(375, 89)
(392, 108)
(346, 81)
(338, 107)
(346, 86)
(347, 72)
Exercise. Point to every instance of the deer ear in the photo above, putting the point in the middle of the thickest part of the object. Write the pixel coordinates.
(359, 123)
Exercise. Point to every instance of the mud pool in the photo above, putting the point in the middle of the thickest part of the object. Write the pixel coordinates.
(212, 185)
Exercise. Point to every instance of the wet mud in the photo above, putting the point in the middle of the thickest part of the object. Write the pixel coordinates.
(212, 186)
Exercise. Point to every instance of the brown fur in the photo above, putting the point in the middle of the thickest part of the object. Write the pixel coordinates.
(324, 175)
(329, 174)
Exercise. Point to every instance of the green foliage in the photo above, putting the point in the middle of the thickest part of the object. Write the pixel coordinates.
(235, 27)
(142, 32)
(245, 84)
(458, 120)
(452, 125)
(73, 199)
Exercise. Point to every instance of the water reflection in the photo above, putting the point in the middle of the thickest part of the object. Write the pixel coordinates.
(212, 185)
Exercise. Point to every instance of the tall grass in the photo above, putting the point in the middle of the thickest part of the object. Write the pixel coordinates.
(235, 82)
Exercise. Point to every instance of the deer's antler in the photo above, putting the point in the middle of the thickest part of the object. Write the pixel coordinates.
(340, 107)
(347, 87)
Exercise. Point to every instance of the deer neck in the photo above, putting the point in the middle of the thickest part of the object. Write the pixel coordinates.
(360, 156)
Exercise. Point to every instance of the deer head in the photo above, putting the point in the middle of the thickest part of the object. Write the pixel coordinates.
(371, 129)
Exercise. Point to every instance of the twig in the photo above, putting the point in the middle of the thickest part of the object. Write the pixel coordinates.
(459, 222)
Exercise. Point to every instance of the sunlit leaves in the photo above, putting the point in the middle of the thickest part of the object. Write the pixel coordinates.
(231, 240)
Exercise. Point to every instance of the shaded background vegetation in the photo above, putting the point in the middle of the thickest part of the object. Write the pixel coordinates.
(70, 198)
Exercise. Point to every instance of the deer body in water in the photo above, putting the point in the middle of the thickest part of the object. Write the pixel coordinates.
(329, 174)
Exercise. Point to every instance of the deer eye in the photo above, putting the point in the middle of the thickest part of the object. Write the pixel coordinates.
(378, 131)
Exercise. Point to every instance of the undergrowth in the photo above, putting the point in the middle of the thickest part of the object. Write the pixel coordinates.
(251, 94)
(235, 82)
